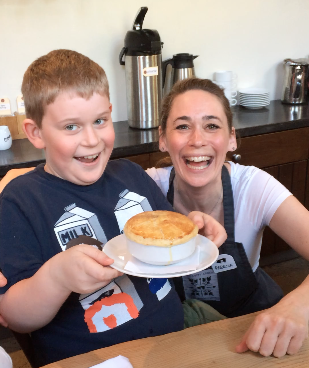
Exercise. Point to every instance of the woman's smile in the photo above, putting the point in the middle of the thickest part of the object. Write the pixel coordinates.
(198, 162)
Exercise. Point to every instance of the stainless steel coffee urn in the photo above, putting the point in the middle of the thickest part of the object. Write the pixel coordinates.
(143, 59)
(295, 81)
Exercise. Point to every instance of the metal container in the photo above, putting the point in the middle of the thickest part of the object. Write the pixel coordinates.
(295, 81)
(143, 70)
(182, 67)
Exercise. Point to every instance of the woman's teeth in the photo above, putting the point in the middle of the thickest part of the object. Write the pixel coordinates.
(198, 163)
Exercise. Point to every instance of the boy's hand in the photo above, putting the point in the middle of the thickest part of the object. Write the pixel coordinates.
(82, 269)
(3, 282)
(209, 227)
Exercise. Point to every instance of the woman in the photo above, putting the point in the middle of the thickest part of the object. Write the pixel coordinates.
(196, 130)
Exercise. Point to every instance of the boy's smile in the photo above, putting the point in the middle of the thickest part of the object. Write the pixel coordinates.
(78, 137)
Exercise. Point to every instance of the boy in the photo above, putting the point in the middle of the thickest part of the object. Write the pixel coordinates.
(58, 290)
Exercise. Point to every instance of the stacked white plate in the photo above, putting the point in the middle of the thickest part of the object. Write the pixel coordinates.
(254, 98)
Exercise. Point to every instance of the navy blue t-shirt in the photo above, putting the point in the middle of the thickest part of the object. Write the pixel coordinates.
(41, 215)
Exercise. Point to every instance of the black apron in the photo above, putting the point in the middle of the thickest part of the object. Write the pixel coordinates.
(229, 285)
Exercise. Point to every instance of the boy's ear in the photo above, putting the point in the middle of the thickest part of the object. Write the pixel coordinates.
(33, 133)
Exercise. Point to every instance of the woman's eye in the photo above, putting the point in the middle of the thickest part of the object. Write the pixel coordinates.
(99, 122)
(182, 127)
(71, 127)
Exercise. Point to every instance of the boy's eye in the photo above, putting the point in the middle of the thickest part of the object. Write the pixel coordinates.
(212, 126)
(71, 127)
(99, 122)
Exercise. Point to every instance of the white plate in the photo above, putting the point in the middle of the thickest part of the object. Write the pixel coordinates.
(254, 104)
(116, 249)
(254, 98)
(253, 91)
(254, 107)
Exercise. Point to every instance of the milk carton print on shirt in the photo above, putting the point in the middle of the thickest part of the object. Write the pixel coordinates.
(129, 205)
(76, 222)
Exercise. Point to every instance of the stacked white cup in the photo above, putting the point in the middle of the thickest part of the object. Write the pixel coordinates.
(227, 80)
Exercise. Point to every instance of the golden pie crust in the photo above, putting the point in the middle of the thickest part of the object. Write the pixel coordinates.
(160, 228)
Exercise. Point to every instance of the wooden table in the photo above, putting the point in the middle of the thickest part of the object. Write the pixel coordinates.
(210, 345)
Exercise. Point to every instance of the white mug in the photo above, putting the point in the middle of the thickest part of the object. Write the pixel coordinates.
(228, 91)
(224, 76)
(233, 101)
(5, 138)
(232, 84)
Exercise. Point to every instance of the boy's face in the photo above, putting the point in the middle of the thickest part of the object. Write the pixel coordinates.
(78, 137)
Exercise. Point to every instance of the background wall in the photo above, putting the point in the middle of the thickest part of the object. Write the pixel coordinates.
(250, 37)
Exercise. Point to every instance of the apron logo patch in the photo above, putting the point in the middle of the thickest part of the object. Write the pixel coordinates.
(225, 262)
(202, 285)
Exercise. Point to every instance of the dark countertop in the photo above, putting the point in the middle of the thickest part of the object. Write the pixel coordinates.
(275, 118)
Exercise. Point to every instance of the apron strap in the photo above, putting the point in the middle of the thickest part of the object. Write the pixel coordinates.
(228, 205)
(170, 192)
(228, 201)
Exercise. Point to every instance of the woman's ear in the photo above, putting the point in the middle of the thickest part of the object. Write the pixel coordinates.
(162, 141)
(33, 133)
(233, 141)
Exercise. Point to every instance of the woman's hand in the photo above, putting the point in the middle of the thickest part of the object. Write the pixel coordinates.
(281, 329)
(209, 227)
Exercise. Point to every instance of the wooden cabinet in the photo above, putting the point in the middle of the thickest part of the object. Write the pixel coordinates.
(147, 160)
(284, 155)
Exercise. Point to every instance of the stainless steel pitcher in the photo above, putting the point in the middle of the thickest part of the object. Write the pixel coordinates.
(295, 81)
(182, 68)
(143, 70)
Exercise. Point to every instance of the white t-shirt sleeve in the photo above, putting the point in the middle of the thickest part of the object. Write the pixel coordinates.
(161, 177)
(257, 196)
(257, 193)
(5, 359)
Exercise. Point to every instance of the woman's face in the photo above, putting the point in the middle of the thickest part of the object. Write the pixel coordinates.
(197, 137)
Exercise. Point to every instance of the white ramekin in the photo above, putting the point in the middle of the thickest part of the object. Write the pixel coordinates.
(161, 255)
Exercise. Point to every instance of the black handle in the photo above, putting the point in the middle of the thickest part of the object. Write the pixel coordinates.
(236, 157)
(139, 19)
(164, 66)
(122, 52)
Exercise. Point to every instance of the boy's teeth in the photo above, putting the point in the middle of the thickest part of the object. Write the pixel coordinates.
(198, 159)
(90, 157)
